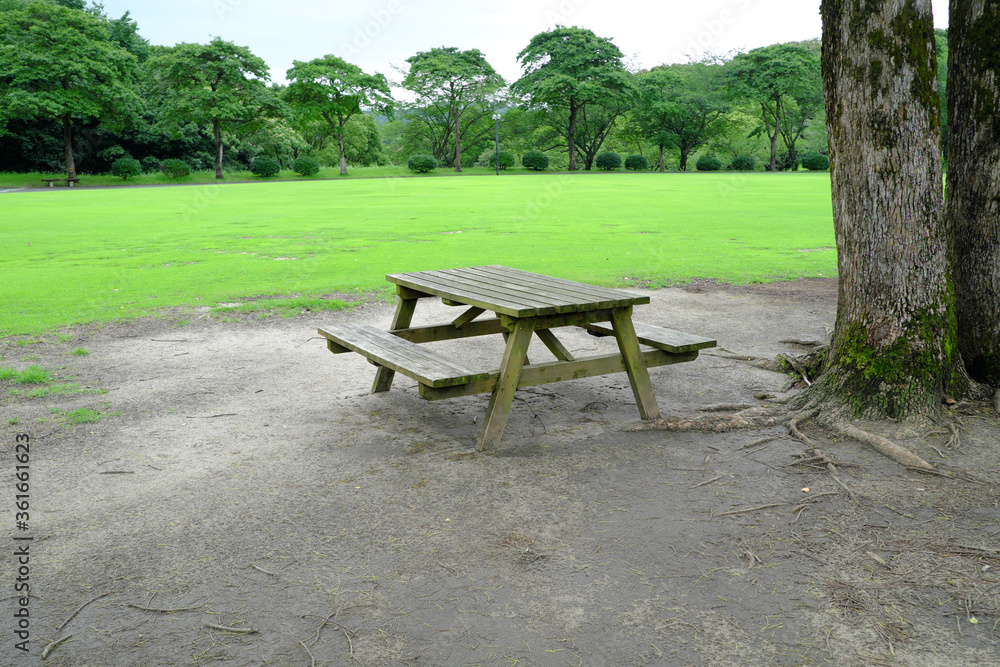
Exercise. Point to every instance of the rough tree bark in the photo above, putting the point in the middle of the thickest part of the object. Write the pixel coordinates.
(217, 135)
(973, 188)
(67, 123)
(894, 351)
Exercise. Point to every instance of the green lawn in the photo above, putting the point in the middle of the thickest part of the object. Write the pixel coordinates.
(88, 255)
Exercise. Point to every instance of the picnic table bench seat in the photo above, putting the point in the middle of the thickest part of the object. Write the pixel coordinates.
(67, 180)
(661, 338)
(391, 351)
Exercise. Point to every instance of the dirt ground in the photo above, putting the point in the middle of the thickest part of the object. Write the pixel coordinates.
(243, 476)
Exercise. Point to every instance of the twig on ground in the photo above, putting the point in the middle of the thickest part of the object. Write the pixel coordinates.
(750, 509)
(260, 569)
(226, 628)
(830, 469)
(761, 441)
(707, 481)
(162, 611)
(312, 660)
(48, 649)
(954, 442)
(80, 608)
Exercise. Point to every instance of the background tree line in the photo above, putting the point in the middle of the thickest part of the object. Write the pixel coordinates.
(79, 89)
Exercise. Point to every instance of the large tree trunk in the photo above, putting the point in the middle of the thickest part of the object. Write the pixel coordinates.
(67, 123)
(774, 137)
(217, 133)
(458, 142)
(341, 152)
(571, 139)
(662, 168)
(894, 349)
(973, 186)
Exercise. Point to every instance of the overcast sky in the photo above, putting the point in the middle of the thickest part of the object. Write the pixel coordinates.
(378, 34)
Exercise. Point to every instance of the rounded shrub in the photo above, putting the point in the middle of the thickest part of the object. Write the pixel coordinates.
(422, 163)
(815, 162)
(708, 163)
(125, 167)
(535, 160)
(174, 168)
(636, 163)
(608, 161)
(150, 164)
(506, 160)
(306, 166)
(265, 167)
(743, 163)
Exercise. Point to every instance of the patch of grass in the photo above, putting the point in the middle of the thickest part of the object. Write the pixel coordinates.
(80, 352)
(215, 244)
(13, 421)
(82, 416)
(33, 374)
(64, 389)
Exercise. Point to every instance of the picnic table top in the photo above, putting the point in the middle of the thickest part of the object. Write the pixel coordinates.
(514, 292)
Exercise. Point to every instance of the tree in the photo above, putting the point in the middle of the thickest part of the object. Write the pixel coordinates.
(219, 84)
(973, 192)
(60, 63)
(772, 77)
(567, 69)
(335, 91)
(680, 107)
(894, 351)
(453, 80)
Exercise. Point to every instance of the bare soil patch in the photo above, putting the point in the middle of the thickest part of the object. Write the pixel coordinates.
(243, 477)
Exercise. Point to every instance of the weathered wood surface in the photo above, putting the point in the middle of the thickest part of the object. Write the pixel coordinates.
(405, 307)
(635, 364)
(506, 384)
(559, 371)
(400, 355)
(659, 337)
(513, 292)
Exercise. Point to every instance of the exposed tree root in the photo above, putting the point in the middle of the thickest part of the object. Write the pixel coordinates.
(754, 418)
(745, 419)
(996, 401)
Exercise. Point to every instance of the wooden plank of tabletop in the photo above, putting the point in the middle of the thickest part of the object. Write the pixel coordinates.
(585, 290)
(457, 289)
(567, 296)
(525, 290)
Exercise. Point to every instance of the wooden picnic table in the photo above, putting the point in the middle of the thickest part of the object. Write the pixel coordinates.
(525, 304)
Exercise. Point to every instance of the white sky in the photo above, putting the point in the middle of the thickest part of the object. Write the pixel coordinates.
(377, 34)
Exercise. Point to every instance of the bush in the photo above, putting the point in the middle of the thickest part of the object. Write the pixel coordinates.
(306, 166)
(708, 163)
(815, 162)
(535, 160)
(608, 161)
(150, 165)
(125, 167)
(175, 168)
(506, 160)
(265, 167)
(636, 163)
(422, 163)
(743, 163)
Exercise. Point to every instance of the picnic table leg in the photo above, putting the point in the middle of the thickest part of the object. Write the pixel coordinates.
(401, 320)
(503, 392)
(635, 364)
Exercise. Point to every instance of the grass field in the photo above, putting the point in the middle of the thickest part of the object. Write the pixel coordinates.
(91, 255)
